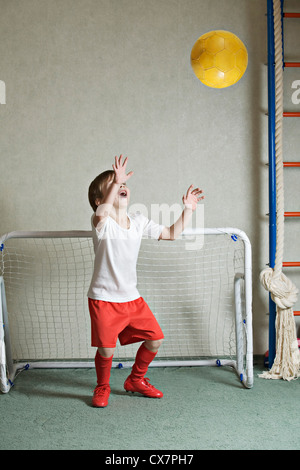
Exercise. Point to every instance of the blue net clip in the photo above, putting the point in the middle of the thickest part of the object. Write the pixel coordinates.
(234, 237)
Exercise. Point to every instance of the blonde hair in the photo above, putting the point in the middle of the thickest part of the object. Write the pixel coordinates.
(96, 186)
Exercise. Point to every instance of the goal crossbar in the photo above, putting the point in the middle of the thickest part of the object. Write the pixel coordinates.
(241, 283)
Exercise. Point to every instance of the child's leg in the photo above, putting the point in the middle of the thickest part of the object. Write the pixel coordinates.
(142, 325)
(103, 362)
(136, 381)
(144, 356)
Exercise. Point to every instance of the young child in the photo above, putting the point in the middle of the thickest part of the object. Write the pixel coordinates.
(116, 308)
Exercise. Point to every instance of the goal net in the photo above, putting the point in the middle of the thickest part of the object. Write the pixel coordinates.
(198, 287)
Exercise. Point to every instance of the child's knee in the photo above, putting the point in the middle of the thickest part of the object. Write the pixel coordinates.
(106, 352)
(153, 345)
(158, 342)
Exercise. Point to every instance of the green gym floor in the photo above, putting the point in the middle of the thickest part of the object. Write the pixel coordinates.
(202, 408)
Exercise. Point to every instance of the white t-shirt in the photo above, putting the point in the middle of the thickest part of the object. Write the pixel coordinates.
(116, 252)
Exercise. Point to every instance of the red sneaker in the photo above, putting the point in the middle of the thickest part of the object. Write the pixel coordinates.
(101, 396)
(142, 386)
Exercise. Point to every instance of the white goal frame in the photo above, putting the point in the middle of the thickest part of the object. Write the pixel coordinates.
(242, 364)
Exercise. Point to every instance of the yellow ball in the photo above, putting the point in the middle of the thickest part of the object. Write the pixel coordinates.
(219, 59)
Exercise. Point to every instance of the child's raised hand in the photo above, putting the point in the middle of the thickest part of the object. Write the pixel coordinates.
(120, 170)
(192, 197)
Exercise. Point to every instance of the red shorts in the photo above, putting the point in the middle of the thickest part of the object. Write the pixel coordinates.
(131, 322)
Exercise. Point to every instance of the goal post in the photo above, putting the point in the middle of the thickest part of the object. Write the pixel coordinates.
(7, 369)
(199, 287)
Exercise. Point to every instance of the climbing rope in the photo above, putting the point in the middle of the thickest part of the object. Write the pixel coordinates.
(283, 292)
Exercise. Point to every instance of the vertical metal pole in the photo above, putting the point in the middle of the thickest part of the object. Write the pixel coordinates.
(282, 33)
(272, 174)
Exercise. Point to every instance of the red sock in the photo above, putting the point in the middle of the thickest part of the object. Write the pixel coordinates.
(103, 368)
(142, 360)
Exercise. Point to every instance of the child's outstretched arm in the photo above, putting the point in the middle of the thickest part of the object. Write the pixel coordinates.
(190, 201)
(105, 205)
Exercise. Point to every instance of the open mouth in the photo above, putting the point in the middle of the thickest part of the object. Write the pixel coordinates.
(123, 193)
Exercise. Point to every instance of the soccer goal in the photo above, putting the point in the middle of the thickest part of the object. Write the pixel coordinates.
(199, 287)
